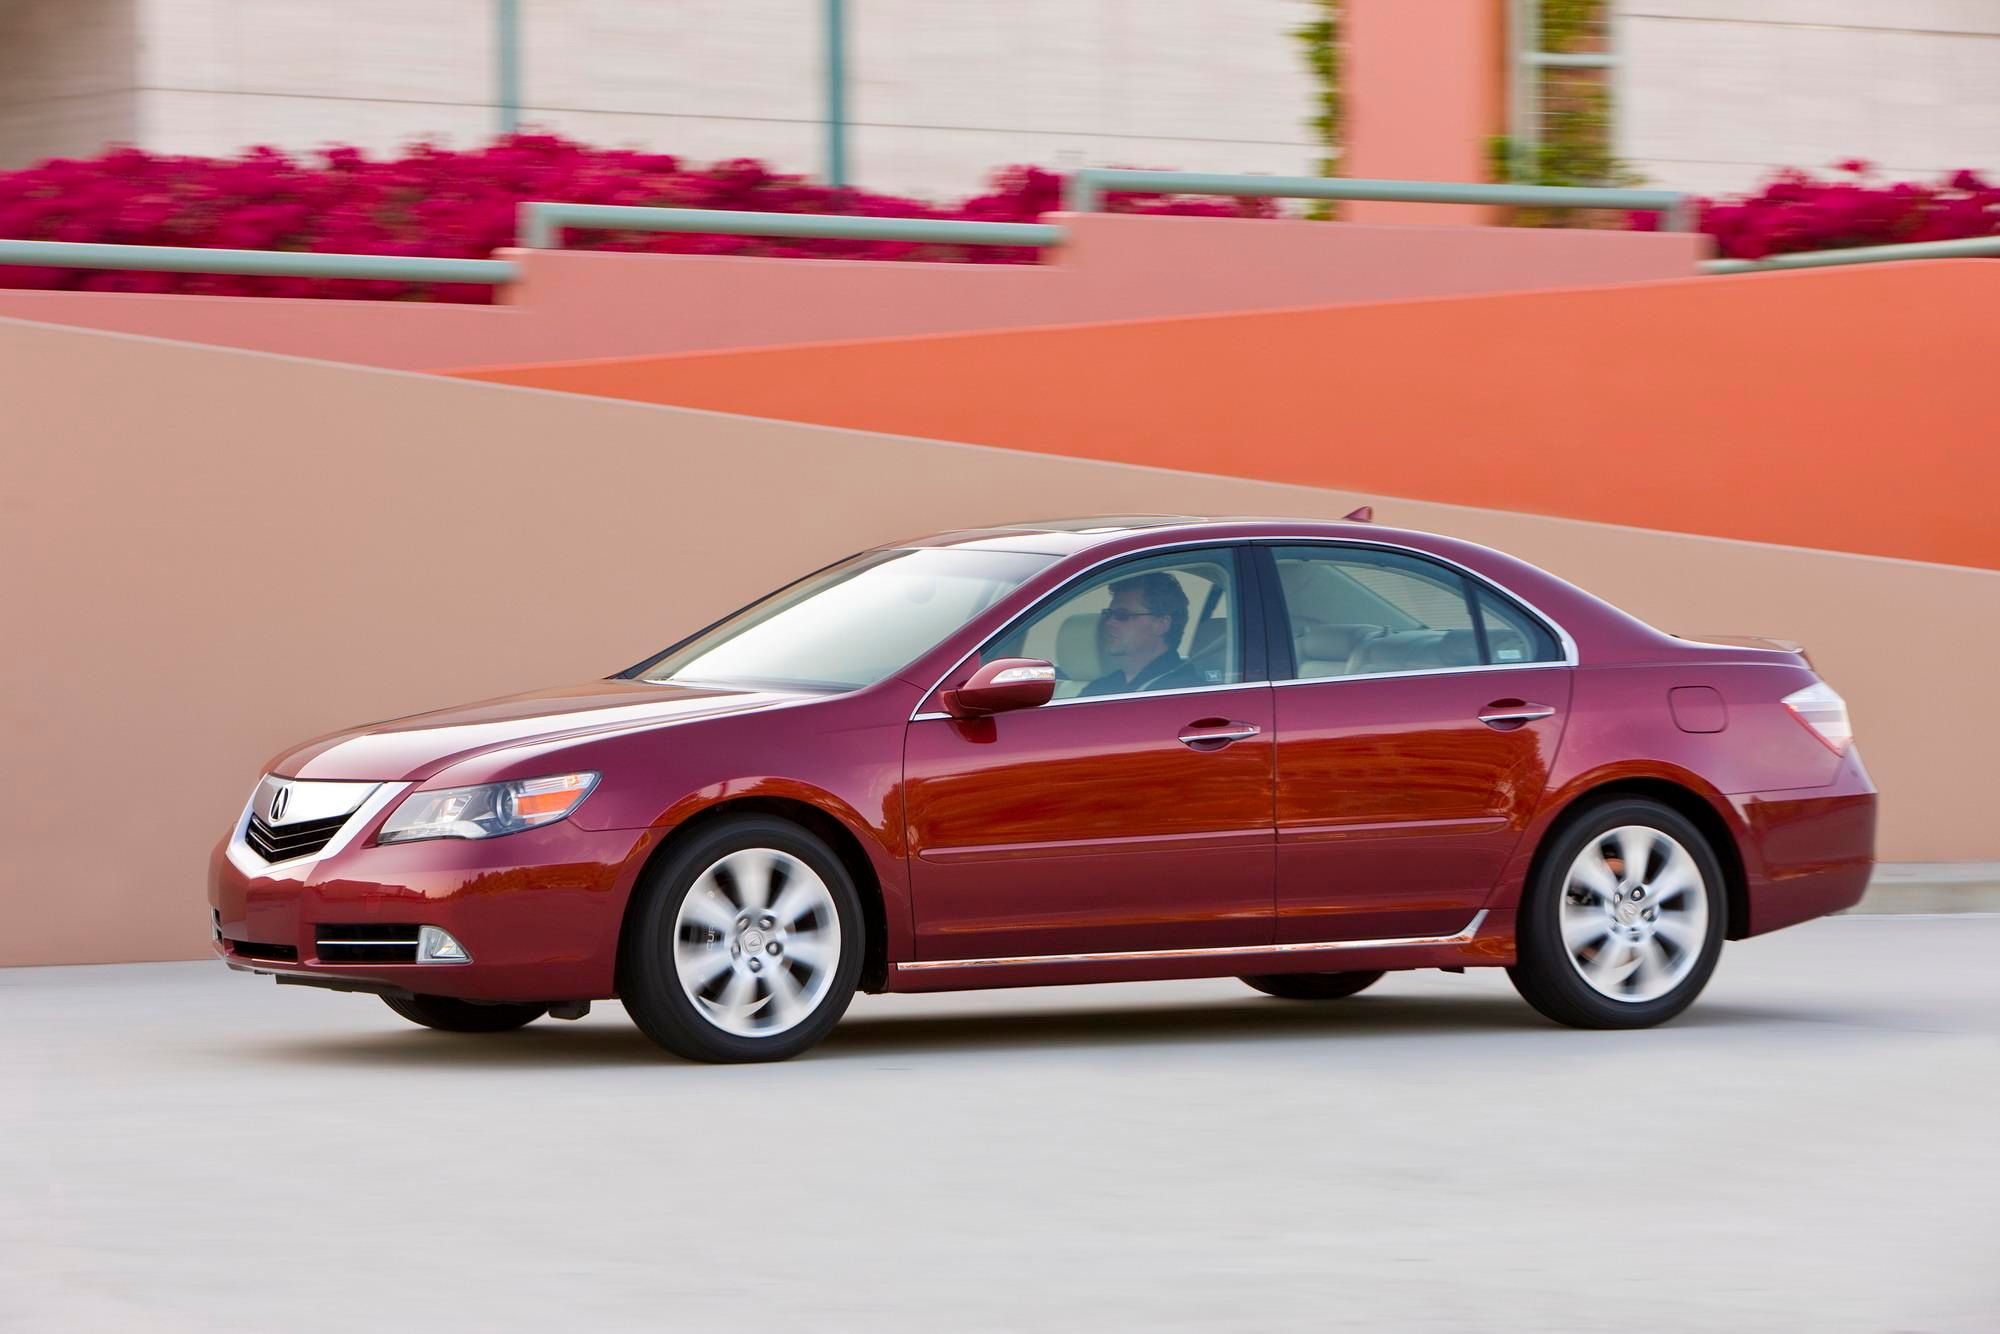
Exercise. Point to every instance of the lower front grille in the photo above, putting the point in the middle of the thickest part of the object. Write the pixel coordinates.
(282, 842)
(257, 949)
(367, 942)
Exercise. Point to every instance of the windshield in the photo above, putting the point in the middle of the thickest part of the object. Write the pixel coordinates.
(850, 625)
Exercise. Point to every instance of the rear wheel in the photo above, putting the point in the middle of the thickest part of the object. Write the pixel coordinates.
(746, 944)
(1312, 986)
(449, 1015)
(1624, 922)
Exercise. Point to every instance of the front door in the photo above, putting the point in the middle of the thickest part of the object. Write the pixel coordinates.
(1416, 731)
(1134, 812)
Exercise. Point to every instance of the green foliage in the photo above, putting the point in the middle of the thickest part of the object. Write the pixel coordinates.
(1563, 21)
(1575, 110)
(1320, 40)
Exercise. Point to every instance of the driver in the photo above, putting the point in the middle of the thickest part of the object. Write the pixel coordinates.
(1136, 635)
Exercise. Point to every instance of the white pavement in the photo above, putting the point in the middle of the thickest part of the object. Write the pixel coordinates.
(1813, 1146)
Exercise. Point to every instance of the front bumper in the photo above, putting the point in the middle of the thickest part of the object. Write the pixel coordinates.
(1810, 851)
(538, 912)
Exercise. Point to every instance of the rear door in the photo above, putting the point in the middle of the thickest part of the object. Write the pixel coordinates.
(1418, 714)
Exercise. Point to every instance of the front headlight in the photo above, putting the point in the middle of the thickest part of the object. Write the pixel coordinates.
(486, 811)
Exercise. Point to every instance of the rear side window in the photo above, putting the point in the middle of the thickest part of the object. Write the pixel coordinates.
(1356, 611)
(1512, 635)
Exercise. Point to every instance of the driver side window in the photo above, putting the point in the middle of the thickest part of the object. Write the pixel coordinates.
(1158, 623)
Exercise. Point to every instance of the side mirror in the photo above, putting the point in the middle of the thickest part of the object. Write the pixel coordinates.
(1000, 685)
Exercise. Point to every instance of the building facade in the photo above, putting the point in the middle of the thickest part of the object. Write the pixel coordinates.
(1710, 95)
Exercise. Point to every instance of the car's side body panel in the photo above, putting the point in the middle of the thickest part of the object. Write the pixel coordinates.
(1397, 808)
(1089, 826)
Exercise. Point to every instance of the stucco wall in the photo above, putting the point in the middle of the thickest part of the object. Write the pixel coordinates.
(214, 553)
(1751, 406)
(939, 95)
(1716, 94)
(68, 78)
(577, 304)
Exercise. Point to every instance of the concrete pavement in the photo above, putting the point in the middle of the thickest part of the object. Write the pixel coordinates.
(1811, 1147)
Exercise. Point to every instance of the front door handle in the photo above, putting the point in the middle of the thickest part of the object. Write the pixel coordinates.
(1504, 715)
(1215, 733)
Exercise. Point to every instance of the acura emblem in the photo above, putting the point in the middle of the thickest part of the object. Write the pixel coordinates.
(278, 800)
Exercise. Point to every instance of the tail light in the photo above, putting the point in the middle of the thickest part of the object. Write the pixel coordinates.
(1822, 710)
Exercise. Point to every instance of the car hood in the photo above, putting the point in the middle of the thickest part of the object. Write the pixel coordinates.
(416, 747)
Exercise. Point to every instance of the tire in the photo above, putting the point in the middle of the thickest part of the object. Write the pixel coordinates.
(449, 1015)
(1591, 954)
(1312, 986)
(709, 971)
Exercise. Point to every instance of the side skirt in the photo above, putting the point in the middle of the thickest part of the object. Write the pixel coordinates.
(1486, 941)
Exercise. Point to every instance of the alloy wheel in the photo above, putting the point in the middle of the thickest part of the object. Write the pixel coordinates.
(757, 942)
(1634, 913)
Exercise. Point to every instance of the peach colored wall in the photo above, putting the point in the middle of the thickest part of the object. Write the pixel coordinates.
(583, 304)
(1424, 90)
(1845, 408)
(201, 573)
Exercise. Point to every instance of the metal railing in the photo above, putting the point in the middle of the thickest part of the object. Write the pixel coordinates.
(542, 225)
(1089, 186)
(1968, 248)
(257, 263)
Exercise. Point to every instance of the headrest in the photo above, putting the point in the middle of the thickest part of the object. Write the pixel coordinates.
(1334, 642)
(1414, 650)
(1076, 647)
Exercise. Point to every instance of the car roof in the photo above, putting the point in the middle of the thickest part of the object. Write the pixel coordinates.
(1065, 537)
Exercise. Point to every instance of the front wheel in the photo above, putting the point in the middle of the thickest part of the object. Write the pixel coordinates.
(1312, 986)
(746, 944)
(449, 1015)
(1624, 921)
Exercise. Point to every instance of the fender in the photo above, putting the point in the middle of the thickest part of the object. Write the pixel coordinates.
(1559, 801)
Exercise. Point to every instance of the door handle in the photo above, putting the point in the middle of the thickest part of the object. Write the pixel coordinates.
(1215, 733)
(1504, 715)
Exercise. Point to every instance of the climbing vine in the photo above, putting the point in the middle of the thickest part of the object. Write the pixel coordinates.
(1320, 39)
(1574, 108)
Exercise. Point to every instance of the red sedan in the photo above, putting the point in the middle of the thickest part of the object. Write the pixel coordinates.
(1298, 753)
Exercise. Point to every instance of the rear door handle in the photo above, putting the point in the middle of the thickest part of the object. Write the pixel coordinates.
(1215, 733)
(1504, 715)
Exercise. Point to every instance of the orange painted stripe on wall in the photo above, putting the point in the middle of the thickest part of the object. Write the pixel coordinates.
(1846, 409)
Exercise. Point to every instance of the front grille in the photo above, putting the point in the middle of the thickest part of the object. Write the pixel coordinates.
(282, 842)
(367, 942)
(253, 949)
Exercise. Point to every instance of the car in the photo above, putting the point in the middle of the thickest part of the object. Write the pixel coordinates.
(1300, 753)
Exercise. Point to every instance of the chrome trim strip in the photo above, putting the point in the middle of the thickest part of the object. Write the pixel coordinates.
(1417, 671)
(308, 799)
(248, 862)
(1113, 699)
(1563, 636)
(1463, 937)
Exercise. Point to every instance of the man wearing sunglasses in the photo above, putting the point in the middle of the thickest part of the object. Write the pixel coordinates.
(1136, 636)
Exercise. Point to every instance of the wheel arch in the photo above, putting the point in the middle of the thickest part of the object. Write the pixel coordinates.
(1679, 798)
(823, 825)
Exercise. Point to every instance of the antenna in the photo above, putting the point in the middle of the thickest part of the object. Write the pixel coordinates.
(1366, 514)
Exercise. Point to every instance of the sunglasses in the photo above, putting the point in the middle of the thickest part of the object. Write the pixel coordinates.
(1120, 615)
